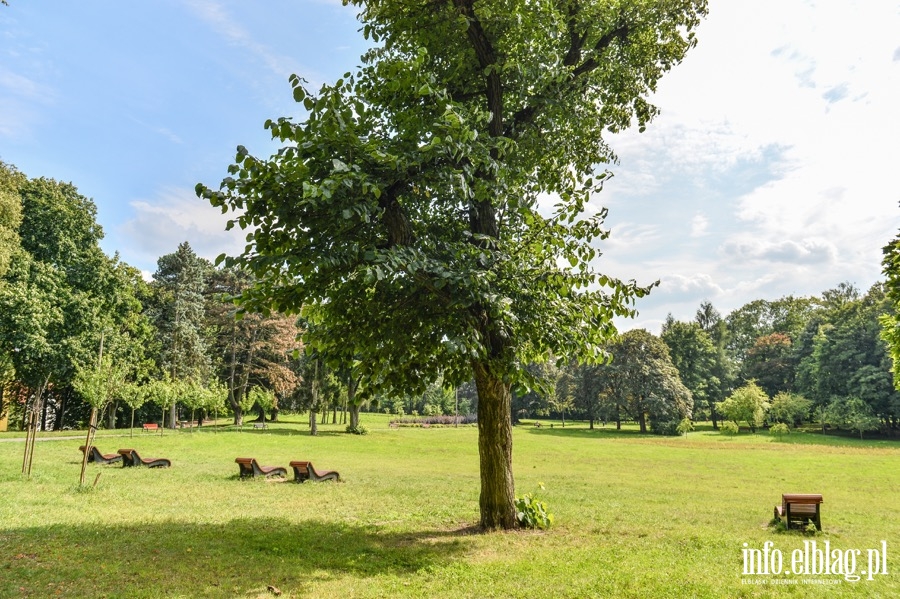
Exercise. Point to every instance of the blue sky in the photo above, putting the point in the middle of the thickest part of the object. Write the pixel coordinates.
(771, 170)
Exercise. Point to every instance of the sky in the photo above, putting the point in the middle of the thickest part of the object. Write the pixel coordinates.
(771, 170)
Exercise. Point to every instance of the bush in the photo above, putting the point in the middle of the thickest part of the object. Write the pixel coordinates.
(685, 426)
(531, 512)
(779, 429)
(666, 427)
(729, 428)
(435, 420)
(357, 430)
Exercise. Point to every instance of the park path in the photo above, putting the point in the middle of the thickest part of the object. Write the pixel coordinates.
(22, 439)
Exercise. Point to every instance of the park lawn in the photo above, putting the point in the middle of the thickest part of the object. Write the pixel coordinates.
(636, 516)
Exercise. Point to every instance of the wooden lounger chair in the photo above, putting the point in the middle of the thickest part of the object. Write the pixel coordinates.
(304, 471)
(130, 458)
(95, 456)
(249, 468)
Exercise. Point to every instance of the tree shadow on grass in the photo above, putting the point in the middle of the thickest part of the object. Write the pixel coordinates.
(209, 560)
(290, 432)
(834, 440)
(586, 433)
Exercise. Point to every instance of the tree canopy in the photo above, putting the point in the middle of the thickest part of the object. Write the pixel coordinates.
(412, 206)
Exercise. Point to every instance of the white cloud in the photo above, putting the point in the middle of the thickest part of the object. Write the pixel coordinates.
(699, 225)
(775, 133)
(804, 251)
(699, 285)
(178, 215)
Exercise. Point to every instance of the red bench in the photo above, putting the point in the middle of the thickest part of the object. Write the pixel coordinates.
(151, 426)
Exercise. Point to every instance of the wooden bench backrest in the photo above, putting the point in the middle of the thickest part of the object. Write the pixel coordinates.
(801, 498)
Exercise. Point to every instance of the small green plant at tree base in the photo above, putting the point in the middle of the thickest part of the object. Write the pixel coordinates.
(531, 512)
(777, 524)
(779, 429)
(357, 430)
(729, 428)
(685, 426)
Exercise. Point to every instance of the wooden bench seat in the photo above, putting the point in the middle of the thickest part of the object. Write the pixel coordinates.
(261, 425)
(95, 456)
(250, 468)
(150, 426)
(131, 458)
(304, 471)
(800, 508)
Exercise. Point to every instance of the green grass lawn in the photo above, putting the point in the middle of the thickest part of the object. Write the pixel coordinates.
(636, 516)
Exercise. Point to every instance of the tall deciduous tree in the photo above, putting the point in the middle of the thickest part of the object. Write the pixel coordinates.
(695, 357)
(646, 382)
(11, 180)
(250, 348)
(406, 208)
(60, 293)
(769, 362)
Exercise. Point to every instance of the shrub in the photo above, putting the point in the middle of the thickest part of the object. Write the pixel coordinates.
(357, 430)
(779, 429)
(531, 512)
(435, 420)
(729, 428)
(685, 426)
(666, 427)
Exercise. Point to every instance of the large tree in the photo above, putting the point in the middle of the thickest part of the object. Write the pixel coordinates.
(413, 207)
(646, 383)
(698, 363)
(250, 349)
(179, 315)
(61, 295)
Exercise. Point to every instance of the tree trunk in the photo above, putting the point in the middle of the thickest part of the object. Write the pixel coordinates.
(592, 423)
(354, 416)
(497, 501)
(714, 416)
(173, 415)
(313, 425)
(111, 421)
(643, 421)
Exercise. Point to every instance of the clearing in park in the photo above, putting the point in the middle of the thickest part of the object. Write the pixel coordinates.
(635, 515)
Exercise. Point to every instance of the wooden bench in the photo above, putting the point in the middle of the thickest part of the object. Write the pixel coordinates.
(262, 425)
(95, 456)
(250, 468)
(304, 471)
(800, 508)
(131, 458)
(151, 426)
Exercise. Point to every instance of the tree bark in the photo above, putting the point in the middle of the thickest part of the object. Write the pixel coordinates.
(313, 425)
(354, 416)
(497, 501)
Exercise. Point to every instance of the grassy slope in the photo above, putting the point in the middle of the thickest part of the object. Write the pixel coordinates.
(636, 516)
